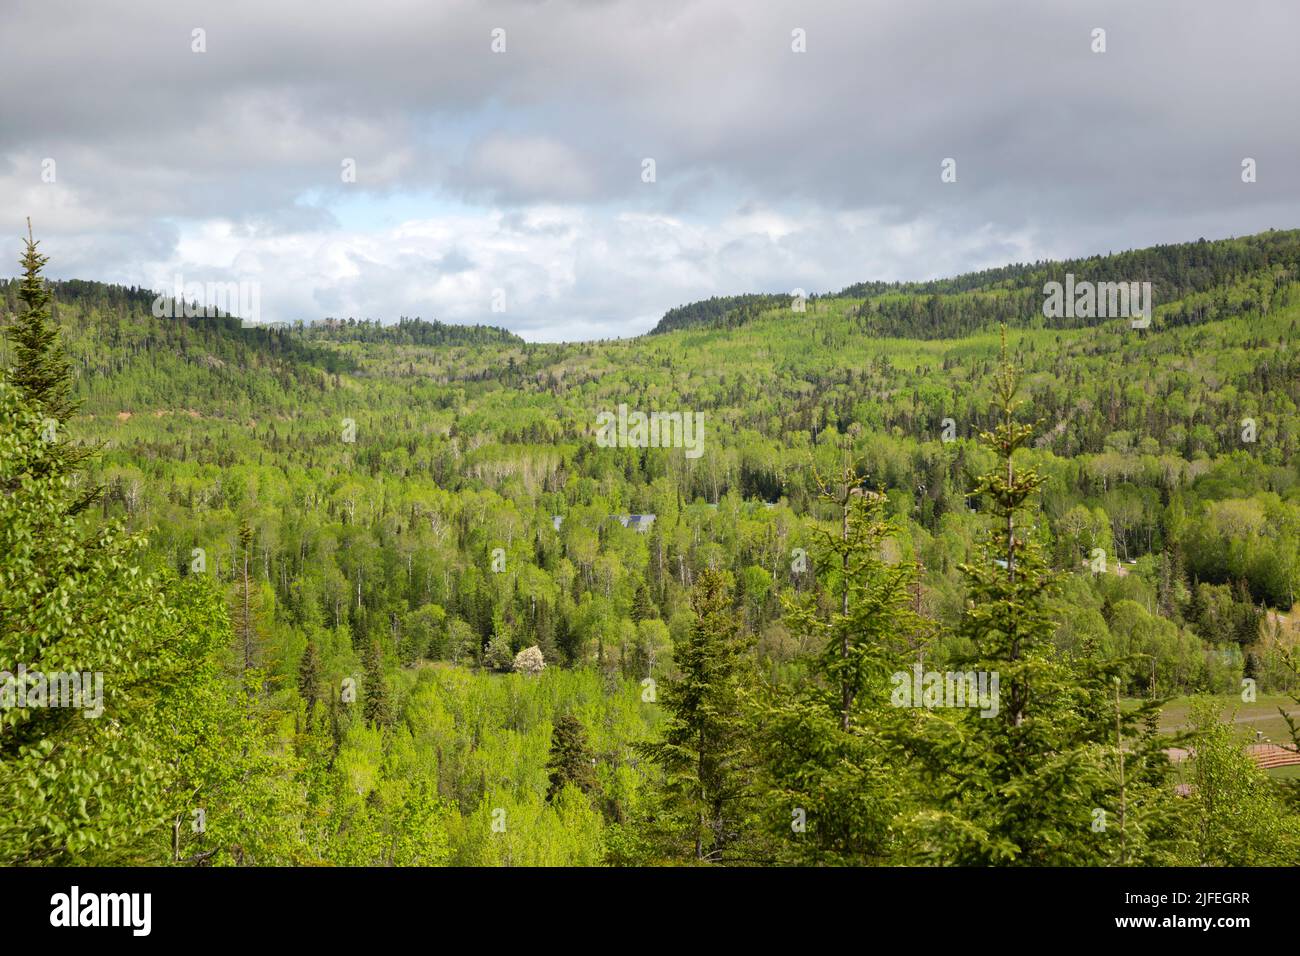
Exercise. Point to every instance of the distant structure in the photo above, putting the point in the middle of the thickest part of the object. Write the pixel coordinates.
(1265, 755)
(639, 523)
(556, 521)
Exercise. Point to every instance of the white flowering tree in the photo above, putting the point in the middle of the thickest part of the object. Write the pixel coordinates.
(530, 661)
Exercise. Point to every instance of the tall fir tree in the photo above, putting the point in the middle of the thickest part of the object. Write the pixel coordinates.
(832, 782)
(119, 671)
(703, 751)
(379, 704)
(642, 608)
(41, 371)
(309, 677)
(571, 760)
(1037, 782)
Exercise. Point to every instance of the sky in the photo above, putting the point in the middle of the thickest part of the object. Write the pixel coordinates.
(500, 148)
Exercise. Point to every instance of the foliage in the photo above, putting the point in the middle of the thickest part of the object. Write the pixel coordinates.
(248, 566)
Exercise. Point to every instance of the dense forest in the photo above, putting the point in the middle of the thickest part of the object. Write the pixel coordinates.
(373, 594)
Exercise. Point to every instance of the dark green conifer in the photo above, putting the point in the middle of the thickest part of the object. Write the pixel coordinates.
(702, 751)
(309, 676)
(41, 370)
(379, 705)
(571, 760)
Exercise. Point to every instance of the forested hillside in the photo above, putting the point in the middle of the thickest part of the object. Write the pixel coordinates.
(1206, 279)
(392, 608)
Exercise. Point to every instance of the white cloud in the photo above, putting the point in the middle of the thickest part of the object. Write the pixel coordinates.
(774, 169)
(566, 273)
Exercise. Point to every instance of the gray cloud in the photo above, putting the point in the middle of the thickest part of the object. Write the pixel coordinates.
(522, 170)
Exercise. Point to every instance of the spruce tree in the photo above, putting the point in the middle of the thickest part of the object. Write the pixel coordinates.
(642, 608)
(90, 784)
(702, 752)
(40, 371)
(309, 677)
(379, 705)
(571, 760)
(1038, 782)
(831, 786)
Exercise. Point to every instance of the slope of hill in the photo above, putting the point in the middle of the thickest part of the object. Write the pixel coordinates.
(400, 489)
(1190, 273)
(126, 355)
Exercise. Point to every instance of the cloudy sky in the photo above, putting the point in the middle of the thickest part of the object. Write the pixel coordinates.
(524, 170)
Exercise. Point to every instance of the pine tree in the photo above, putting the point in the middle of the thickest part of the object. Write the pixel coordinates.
(830, 784)
(379, 706)
(1026, 784)
(309, 677)
(702, 751)
(642, 608)
(571, 760)
(86, 788)
(41, 371)
(88, 784)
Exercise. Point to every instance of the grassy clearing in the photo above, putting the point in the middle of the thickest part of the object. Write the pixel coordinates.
(1261, 715)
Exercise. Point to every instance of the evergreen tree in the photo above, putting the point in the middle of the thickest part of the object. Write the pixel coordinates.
(702, 751)
(41, 371)
(1024, 785)
(309, 677)
(571, 760)
(642, 608)
(379, 705)
(831, 785)
(109, 656)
